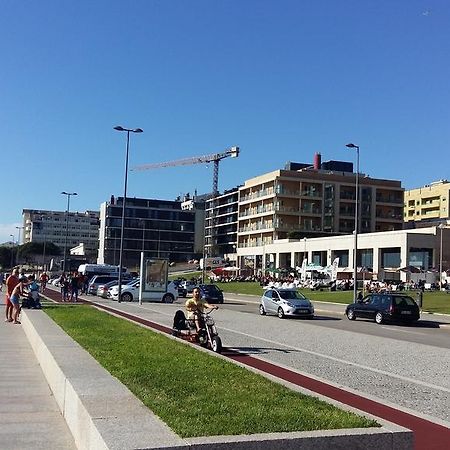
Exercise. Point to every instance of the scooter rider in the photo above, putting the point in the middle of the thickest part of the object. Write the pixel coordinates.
(196, 306)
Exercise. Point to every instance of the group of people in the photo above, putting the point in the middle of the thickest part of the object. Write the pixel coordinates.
(71, 284)
(19, 286)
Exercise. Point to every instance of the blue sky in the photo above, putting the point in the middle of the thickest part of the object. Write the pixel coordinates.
(281, 79)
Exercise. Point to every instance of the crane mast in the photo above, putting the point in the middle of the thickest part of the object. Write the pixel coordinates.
(215, 158)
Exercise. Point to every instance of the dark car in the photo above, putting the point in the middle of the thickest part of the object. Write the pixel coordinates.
(385, 308)
(211, 293)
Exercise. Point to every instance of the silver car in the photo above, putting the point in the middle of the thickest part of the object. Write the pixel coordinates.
(285, 302)
(102, 290)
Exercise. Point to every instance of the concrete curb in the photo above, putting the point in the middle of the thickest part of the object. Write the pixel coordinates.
(102, 413)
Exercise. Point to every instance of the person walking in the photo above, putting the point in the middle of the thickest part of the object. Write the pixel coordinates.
(74, 286)
(2, 279)
(11, 282)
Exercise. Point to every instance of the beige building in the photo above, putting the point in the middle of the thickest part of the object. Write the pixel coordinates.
(312, 202)
(428, 203)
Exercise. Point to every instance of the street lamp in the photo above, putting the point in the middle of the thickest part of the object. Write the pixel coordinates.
(128, 131)
(69, 194)
(45, 241)
(18, 242)
(355, 271)
(12, 251)
(441, 226)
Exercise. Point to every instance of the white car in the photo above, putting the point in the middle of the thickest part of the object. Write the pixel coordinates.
(130, 292)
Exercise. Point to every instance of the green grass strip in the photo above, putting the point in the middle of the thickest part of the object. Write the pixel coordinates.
(196, 394)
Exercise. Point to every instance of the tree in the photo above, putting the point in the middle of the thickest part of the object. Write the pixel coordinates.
(33, 250)
(5, 256)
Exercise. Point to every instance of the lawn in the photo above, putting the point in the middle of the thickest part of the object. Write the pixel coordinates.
(195, 393)
(434, 301)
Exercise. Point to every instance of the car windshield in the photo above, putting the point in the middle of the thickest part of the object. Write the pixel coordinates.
(290, 295)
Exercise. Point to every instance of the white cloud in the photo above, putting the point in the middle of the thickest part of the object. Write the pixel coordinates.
(6, 229)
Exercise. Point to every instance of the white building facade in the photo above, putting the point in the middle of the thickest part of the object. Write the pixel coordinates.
(382, 254)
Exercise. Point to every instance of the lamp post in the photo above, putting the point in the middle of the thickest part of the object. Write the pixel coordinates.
(355, 271)
(18, 242)
(128, 131)
(45, 241)
(143, 234)
(441, 226)
(69, 194)
(12, 251)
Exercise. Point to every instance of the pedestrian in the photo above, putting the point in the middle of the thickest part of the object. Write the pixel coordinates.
(11, 282)
(74, 286)
(2, 279)
(43, 279)
(15, 298)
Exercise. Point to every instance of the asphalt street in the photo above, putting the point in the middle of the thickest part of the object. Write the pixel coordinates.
(395, 372)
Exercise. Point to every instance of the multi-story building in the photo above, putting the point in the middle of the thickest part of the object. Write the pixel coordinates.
(56, 226)
(221, 220)
(427, 204)
(313, 201)
(159, 228)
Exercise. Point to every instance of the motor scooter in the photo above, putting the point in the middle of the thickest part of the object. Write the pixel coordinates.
(207, 336)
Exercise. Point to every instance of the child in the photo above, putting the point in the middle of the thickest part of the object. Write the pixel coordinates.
(33, 289)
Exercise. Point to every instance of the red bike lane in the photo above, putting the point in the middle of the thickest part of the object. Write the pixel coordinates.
(427, 435)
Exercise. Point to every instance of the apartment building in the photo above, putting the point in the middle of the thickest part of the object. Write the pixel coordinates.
(427, 204)
(221, 223)
(306, 201)
(53, 226)
(159, 228)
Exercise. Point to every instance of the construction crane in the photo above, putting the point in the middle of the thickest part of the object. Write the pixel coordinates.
(232, 152)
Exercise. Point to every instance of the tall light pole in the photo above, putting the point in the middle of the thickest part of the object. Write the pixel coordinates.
(355, 257)
(18, 242)
(69, 194)
(128, 131)
(441, 226)
(45, 241)
(12, 251)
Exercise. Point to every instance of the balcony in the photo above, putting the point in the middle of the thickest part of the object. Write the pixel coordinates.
(310, 193)
(255, 195)
(257, 211)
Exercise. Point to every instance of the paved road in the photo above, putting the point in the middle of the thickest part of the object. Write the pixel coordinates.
(430, 330)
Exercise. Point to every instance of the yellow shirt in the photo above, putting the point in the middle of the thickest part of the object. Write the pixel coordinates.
(193, 305)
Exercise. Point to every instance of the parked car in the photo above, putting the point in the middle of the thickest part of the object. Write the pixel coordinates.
(130, 292)
(102, 290)
(98, 280)
(286, 302)
(211, 293)
(387, 307)
(189, 286)
(182, 291)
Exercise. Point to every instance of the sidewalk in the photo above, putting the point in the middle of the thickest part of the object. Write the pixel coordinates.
(29, 416)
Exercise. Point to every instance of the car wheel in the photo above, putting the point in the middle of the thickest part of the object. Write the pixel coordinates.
(168, 298)
(351, 314)
(127, 297)
(379, 317)
(262, 311)
(280, 313)
(216, 344)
